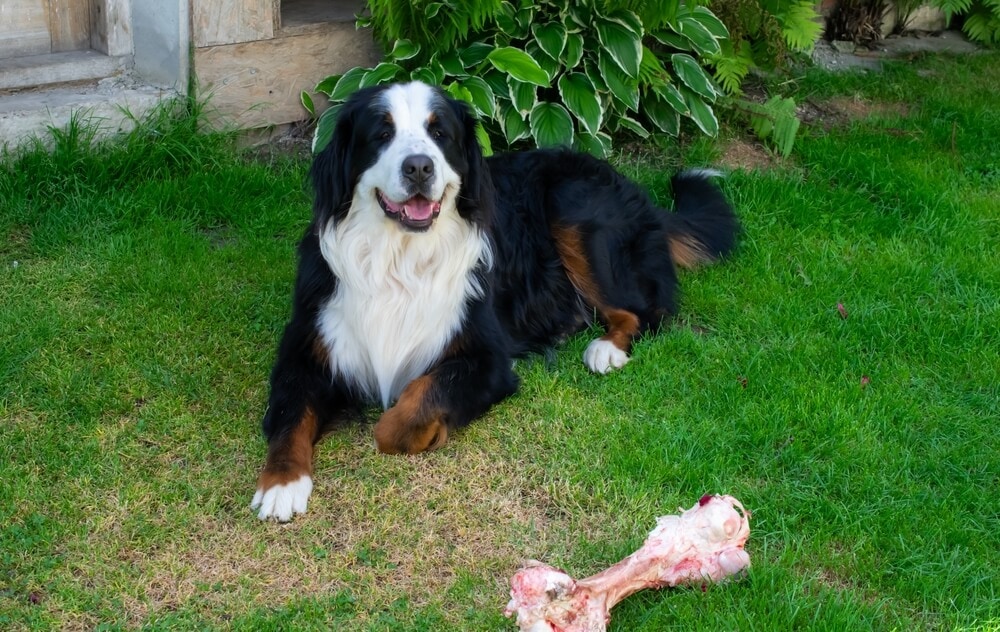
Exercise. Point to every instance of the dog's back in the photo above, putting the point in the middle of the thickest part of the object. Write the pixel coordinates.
(575, 239)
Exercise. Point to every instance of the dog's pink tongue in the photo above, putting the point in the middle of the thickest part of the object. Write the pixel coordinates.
(420, 208)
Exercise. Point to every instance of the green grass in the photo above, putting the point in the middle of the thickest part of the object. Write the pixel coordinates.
(144, 284)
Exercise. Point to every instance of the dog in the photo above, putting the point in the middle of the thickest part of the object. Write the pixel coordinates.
(428, 267)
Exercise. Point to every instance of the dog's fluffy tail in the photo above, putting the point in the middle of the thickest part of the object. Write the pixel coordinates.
(703, 227)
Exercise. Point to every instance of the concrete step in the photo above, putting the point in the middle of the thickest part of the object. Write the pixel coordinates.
(111, 105)
(56, 68)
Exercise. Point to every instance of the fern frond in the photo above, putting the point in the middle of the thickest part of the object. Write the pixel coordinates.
(983, 25)
(732, 66)
(953, 7)
(800, 25)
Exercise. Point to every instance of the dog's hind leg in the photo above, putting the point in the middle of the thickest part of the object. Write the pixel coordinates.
(622, 325)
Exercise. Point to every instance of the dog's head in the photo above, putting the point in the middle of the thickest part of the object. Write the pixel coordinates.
(406, 151)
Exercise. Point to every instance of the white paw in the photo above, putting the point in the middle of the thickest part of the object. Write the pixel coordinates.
(602, 355)
(283, 501)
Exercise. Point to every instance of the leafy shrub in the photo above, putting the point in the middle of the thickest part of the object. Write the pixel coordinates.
(557, 72)
(981, 18)
(762, 35)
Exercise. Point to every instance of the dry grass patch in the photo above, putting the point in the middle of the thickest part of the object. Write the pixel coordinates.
(380, 527)
(744, 155)
(842, 110)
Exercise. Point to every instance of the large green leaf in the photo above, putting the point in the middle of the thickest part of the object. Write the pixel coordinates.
(662, 114)
(327, 85)
(628, 19)
(709, 20)
(623, 87)
(621, 43)
(497, 81)
(669, 93)
(595, 144)
(484, 139)
(701, 112)
(519, 65)
(324, 128)
(307, 103)
(481, 94)
(551, 125)
(403, 49)
(459, 92)
(380, 74)
(431, 9)
(474, 54)
(347, 84)
(432, 73)
(424, 74)
(699, 36)
(573, 51)
(671, 39)
(549, 64)
(523, 96)
(514, 126)
(580, 97)
(551, 37)
(593, 71)
(693, 75)
(452, 64)
(632, 125)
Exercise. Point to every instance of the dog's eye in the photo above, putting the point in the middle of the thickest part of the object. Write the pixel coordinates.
(437, 134)
(385, 135)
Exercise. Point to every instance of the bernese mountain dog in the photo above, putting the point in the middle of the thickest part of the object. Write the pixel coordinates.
(427, 268)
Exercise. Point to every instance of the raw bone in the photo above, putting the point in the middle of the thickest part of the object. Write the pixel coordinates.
(704, 543)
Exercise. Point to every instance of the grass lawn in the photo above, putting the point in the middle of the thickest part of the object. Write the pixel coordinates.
(144, 285)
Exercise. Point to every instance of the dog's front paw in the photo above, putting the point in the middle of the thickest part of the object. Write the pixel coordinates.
(414, 424)
(281, 501)
(602, 356)
(398, 433)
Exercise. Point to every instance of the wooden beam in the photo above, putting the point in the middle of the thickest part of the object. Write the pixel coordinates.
(217, 22)
(69, 25)
(111, 27)
(24, 28)
(255, 84)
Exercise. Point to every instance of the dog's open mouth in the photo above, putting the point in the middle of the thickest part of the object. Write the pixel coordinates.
(416, 213)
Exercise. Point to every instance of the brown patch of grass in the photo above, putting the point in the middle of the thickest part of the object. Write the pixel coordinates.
(842, 110)
(382, 527)
(744, 155)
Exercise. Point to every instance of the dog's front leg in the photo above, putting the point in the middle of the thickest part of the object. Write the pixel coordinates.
(417, 422)
(475, 374)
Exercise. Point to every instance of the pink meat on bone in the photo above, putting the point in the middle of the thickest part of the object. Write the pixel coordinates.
(704, 543)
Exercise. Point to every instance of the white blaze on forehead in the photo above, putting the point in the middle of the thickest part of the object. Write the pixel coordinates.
(411, 106)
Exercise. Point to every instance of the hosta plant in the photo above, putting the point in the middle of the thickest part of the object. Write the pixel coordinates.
(563, 72)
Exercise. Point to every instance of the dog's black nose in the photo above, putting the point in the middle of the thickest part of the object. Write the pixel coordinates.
(418, 168)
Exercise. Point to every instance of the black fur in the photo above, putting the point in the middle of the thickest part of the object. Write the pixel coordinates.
(522, 200)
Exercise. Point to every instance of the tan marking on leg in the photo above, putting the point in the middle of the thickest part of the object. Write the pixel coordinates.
(414, 424)
(291, 457)
(569, 245)
(688, 252)
(623, 326)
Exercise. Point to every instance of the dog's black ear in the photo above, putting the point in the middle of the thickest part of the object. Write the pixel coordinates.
(331, 172)
(476, 199)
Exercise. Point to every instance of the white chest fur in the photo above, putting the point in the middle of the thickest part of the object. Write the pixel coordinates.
(401, 297)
